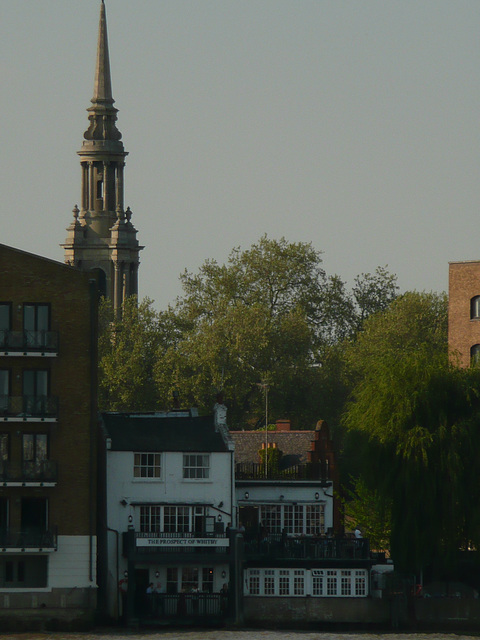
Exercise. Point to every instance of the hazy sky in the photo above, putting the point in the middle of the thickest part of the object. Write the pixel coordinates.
(350, 124)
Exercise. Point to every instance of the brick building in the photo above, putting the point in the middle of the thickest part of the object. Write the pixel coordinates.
(464, 311)
(47, 443)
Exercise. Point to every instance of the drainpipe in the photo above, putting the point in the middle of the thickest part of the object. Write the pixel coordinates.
(93, 416)
(117, 578)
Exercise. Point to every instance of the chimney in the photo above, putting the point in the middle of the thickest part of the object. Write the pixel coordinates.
(283, 425)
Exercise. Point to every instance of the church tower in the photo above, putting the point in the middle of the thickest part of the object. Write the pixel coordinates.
(102, 237)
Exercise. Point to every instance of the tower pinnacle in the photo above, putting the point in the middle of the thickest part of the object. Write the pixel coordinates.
(102, 237)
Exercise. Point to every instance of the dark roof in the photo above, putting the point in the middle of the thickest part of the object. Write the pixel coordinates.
(154, 432)
(293, 444)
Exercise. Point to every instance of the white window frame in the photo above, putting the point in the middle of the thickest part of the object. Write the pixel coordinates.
(318, 583)
(147, 465)
(301, 519)
(196, 466)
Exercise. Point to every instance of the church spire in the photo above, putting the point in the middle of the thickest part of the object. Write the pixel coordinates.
(102, 236)
(102, 91)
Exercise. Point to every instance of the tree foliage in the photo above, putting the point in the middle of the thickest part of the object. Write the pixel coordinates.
(270, 315)
(420, 418)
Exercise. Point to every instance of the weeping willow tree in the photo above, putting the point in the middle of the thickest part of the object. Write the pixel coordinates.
(420, 421)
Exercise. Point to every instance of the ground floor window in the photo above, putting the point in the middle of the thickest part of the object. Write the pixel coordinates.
(306, 582)
(23, 572)
(190, 579)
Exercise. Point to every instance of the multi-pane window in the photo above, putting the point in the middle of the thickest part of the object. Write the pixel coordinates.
(331, 583)
(346, 583)
(4, 447)
(269, 582)
(207, 579)
(317, 583)
(5, 322)
(284, 583)
(150, 519)
(176, 519)
(270, 517)
(303, 582)
(475, 354)
(147, 465)
(360, 583)
(36, 324)
(254, 582)
(196, 465)
(35, 391)
(34, 447)
(298, 582)
(294, 519)
(4, 389)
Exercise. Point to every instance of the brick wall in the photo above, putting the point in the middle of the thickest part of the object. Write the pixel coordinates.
(463, 332)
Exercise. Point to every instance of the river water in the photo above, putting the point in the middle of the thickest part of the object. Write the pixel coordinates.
(221, 634)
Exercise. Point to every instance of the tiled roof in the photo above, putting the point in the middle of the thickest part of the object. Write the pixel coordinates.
(293, 444)
(154, 432)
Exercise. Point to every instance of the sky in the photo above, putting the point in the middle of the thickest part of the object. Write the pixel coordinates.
(353, 125)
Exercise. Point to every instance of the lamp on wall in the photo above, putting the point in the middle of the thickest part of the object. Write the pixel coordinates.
(157, 574)
(224, 574)
(125, 574)
(219, 517)
(247, 495)
(317, 496)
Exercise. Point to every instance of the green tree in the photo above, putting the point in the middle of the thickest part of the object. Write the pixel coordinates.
(419, 418)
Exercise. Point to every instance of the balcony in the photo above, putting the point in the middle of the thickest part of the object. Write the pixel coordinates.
(32, 473)
(276, 546)
(28, 408)
(28, 540)
(29, 343)
(256, 471)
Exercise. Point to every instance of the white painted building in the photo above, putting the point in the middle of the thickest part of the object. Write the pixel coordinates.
(169, 499)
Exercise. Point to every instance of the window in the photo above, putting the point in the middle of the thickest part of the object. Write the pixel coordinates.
(150, 519)
(294, 519)
(196, 466)
(269, 582)
(26, 572)
(34, 447)
(331, 583)
(284, 583)
(475, 307)
(147, 465)
(177, 519)
(270, 517)
(4, 447)
(314, 519)
(207, 579)
(360, 583)
(298, 582)
(254, 582)
(317, 583)
(36, 324)
(346, 583)
(475, 354)
(3, 514)
(4, 390)
(5, 322)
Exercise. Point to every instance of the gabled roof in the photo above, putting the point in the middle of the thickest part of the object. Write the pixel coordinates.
(162, 432)
(293, 444)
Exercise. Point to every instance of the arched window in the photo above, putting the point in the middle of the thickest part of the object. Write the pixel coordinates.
(475, 308)
(102, 281)
(475, 354)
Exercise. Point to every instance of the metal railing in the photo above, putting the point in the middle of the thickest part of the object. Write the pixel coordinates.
(28, 407)
(278, 546)
(186, 605)
(28, 538)
(256, 471)
(42, 341)
(31, 471)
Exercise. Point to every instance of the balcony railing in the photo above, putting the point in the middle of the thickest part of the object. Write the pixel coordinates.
(256, 471)
(25, 407)
(28, 539)
(28, 341)
(31, 471)
(185, 605)
(278, 546)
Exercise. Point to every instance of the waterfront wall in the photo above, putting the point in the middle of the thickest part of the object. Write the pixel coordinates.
(427, 614)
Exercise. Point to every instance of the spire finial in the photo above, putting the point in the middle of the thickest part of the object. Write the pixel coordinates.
(102, 91)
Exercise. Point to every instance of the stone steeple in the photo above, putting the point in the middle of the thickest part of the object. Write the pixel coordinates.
(102, 237)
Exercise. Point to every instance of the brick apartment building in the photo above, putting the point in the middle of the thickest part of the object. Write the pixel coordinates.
(47, 440)
(464, 311)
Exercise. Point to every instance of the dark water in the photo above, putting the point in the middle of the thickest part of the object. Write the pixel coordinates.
(220, 634)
